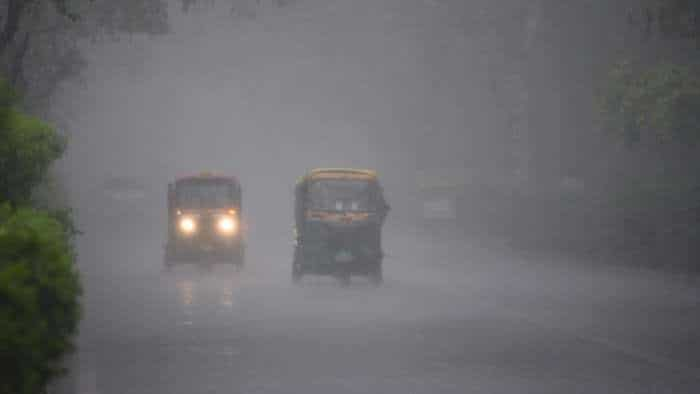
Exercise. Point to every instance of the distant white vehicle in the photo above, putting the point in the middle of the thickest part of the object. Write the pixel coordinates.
(127, 195)
(440, 189)
(124, 196)
(439, 208)
(124, 188)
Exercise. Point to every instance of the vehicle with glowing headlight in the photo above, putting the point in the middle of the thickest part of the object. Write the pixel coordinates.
(339, 214)
(204, 221)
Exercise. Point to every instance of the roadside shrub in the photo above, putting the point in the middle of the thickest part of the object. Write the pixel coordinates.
(652, 105)
(39, 299)
(27, 149)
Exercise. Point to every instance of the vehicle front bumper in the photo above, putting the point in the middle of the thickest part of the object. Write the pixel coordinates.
(323, 261)
(203, 249)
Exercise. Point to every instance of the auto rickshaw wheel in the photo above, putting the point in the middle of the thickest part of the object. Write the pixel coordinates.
(344, 279)
(167, 261)
(297, 274)
(376, 276)
(239, 259)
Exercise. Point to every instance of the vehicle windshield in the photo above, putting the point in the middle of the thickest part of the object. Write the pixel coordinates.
(341, 195)
(205, 194)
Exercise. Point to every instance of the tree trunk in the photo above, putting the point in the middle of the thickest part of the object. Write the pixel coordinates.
(14, 14)
(522, 91)
(17, 64)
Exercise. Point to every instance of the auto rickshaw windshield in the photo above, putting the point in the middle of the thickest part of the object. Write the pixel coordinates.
(341, 195)
(205, 194)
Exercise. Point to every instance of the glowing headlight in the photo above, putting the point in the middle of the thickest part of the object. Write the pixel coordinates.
(227, 225)
(187, 225)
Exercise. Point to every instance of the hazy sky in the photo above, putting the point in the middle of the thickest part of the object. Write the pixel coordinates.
(316, 83)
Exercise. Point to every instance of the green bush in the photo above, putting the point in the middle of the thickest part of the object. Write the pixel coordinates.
(39, 299)
(652, 104)
(27, 149)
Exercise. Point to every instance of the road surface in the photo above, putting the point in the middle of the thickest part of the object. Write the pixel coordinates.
(453, 317)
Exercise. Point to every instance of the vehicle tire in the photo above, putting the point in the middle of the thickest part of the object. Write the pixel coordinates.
(297, 274)
(344, 279)
(376, 277)
(167, 262)
(297, 270)
(239, 260)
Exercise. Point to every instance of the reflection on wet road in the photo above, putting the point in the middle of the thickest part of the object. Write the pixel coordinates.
(186, 288)
(190, 286)
(451, 318)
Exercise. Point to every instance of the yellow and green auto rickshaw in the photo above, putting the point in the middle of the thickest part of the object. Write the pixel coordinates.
(339, 214)
(204, 220)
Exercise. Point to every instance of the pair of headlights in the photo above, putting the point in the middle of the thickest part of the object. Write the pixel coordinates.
(226, 225)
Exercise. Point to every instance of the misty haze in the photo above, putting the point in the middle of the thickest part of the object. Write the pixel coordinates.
(402, 196)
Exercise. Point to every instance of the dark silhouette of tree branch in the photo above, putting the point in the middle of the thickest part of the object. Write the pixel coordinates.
(14, 11)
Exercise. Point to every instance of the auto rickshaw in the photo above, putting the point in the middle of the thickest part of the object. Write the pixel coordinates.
(204, 220)
(339, 214)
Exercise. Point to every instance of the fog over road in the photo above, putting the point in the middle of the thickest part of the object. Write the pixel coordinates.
(451, 318)
(332, 83)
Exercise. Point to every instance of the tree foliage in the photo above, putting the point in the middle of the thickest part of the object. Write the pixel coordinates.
(17, 12)
(247, 8)
(671, 19)
(39, 287)
(111, 18)
(39, 293)
(28, 146)
(39, 39)
(659, 103)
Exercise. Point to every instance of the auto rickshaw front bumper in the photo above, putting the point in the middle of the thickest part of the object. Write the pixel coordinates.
(321, 260)
(198, 250)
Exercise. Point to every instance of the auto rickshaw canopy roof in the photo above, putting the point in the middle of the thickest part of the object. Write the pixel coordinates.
(339, 173)
(208, 176)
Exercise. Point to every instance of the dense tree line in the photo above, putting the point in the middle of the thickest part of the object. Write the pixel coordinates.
(607, 129)
(39, 283)
(40, 39)
(40, 47)
(642, 188)
(650, 100)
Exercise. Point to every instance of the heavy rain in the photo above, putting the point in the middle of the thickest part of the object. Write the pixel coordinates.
(420, 196)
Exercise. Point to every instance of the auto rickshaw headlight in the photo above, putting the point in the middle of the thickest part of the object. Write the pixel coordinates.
(187, 225)
(227, 225)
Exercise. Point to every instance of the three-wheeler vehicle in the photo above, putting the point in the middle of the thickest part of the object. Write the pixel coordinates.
(204, 221)
(339, 214)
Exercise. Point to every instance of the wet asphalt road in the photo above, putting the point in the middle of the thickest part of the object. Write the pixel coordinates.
(452, 317)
